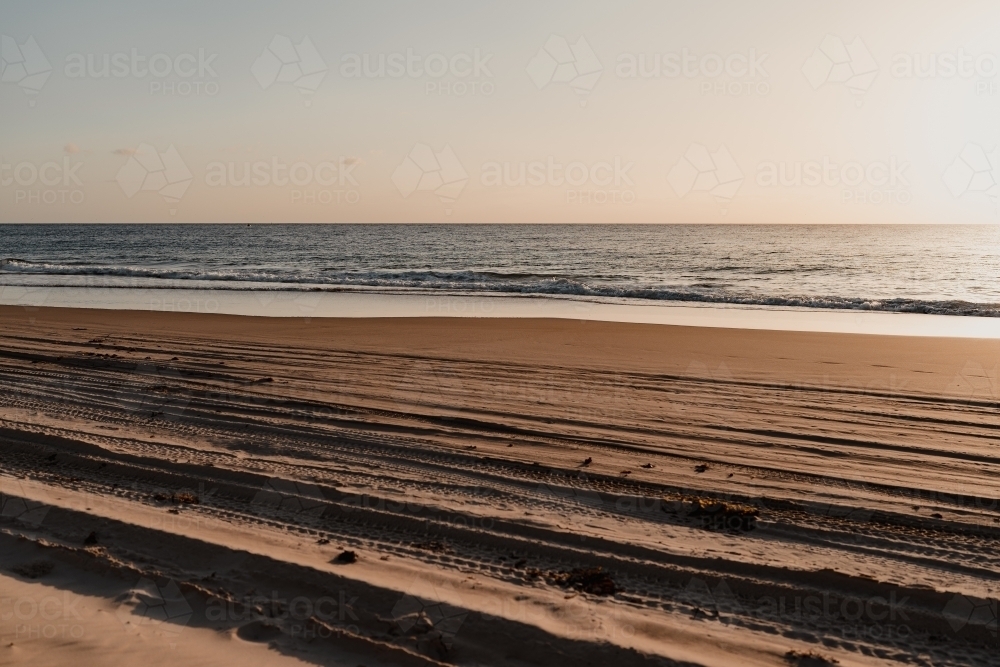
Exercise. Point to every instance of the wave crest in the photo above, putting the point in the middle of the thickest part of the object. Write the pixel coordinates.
(465, 281)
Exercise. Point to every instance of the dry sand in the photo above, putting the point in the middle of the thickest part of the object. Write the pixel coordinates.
(177, 489)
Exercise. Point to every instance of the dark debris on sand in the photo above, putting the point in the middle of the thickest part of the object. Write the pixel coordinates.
(347, 557)
(809, 659)
(715, 514)
(593, 580)
(180, 498)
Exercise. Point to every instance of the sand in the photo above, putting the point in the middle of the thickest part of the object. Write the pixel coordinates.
(180, 489)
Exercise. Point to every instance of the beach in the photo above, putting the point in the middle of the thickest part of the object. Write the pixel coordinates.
(422, 491)
(583, 334)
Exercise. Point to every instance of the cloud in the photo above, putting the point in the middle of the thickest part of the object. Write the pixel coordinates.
(352, 160)
(124, 151)
(71, 148)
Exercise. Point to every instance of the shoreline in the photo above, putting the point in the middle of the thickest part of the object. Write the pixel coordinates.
(352, 304)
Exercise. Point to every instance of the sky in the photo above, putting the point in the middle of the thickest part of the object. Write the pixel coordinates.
(520, 112)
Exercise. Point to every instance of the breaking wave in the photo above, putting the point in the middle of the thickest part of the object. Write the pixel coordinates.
(460, 282)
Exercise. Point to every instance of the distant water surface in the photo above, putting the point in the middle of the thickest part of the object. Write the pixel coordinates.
(953, 270)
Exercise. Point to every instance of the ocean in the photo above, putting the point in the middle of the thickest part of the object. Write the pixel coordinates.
(938, 269)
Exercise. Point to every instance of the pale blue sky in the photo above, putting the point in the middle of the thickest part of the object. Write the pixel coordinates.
(774, 120)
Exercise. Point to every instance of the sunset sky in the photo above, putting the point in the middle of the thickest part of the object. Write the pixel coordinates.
(838, 92)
